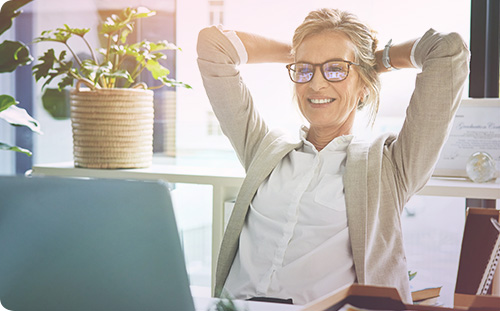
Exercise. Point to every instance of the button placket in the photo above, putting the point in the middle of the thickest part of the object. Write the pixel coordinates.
(292, 219)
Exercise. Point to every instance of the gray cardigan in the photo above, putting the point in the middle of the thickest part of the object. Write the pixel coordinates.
(380, 176)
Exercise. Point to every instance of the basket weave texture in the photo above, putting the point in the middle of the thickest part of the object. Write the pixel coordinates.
(112, 128)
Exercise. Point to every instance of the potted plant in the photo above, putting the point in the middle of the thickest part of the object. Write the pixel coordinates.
(111, 110)
(12, 55)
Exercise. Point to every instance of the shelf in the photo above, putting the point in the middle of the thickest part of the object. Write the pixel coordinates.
(217, 176)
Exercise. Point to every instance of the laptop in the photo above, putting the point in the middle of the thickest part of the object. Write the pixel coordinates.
(89, 244)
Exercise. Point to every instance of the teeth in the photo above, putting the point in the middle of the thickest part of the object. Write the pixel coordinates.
(321, 101)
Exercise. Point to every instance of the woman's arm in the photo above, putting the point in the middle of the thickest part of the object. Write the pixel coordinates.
(218, 60)
(265, 50)
(444, 59)
(399, 55)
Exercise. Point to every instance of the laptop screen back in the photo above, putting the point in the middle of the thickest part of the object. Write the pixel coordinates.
(73, 244)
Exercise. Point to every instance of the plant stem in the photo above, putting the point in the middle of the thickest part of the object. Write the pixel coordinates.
(137, 71)
(90, 49)
(94, 58)
(74, 55)
(156, 87)
(74, 75)
(108, 48)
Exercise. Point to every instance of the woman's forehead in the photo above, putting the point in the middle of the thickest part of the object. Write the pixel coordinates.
(320, 47)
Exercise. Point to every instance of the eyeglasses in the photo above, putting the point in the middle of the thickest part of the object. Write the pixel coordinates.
(332, 70)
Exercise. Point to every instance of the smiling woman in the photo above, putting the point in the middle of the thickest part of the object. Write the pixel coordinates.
(324, 209)
(329, 106)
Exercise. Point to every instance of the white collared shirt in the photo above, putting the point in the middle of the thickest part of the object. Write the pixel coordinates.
(295, 242)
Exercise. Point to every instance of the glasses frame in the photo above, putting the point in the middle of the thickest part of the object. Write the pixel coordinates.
(349, 64)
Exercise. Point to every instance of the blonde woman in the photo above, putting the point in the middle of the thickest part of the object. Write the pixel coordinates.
(323, 210)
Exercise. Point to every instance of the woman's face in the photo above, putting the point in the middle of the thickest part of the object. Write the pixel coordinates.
(328, 106)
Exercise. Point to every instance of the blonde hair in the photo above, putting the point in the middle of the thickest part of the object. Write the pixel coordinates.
(361, 36)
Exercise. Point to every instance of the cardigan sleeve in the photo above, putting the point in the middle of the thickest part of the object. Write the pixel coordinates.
(444, 59)
(230, 98)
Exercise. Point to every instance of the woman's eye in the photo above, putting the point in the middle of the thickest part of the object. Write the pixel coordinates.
(333, 68)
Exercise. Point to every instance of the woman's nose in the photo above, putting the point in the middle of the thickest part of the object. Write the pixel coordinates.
(318, 81)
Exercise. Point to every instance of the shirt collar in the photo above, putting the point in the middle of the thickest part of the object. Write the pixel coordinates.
(337, 144)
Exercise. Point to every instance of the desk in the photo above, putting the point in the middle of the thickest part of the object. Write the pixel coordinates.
(226, 182)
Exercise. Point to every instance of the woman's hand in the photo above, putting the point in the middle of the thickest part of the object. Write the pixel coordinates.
(264, 50)
(399, 55)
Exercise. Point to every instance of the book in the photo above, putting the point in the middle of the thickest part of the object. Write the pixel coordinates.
(421, 291)
(434, 301)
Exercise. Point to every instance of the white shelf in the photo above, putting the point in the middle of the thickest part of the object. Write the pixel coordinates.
(228, 177)
(172, 173)
(461, 187)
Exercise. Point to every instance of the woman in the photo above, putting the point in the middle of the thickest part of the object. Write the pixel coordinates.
(322, 211)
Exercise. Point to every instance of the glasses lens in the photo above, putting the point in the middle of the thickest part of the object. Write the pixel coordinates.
(335, 71)
(301, 72)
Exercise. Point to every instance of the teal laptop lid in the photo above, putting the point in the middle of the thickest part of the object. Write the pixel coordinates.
(75, 244)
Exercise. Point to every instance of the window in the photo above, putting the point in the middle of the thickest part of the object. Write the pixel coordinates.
(56, 143)
(272, 92)
(216, 12)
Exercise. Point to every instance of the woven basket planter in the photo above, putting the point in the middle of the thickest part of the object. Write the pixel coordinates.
(112, 128)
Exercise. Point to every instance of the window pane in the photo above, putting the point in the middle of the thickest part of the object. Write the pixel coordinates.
(56, 143)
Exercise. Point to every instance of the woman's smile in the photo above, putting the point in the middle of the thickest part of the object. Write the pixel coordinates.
(321, 101)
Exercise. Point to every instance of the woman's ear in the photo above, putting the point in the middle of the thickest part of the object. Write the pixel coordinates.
(363, 93)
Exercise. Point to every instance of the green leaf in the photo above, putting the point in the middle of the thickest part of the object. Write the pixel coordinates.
(92, 71)
(62, 70)
(56, 103)
(47, 61)
(66, 81)
(59, 35)
(124, 33)
(156, 69)
(173, 83)
(162, 45)
(4, 146)
(51, 67)
(10, 11)
(157, 56)
(115, 23)
(141, 12)
(412, 275)
(89, 65)
(111, 24)
(119, 74)
(6, 101)
(18, 116)
(12, 55)
(75, 31)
